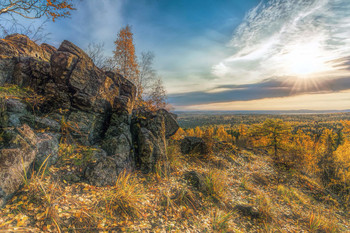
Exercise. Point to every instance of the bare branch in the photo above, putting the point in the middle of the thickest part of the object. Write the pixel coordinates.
(33, 9)
(95, 52)
(35, 33)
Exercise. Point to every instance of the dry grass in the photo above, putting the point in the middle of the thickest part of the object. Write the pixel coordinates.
(291, 195)
(265, 207)
(178, 197)
(317, 222)
(164, 202)
(215, 184)
(220, 221)
(38, 200)
(246, 184)
(124, 198)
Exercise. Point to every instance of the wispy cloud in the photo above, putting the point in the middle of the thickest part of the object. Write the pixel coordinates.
(288, 38)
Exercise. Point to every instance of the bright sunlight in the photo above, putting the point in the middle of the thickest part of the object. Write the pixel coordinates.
(304, 60)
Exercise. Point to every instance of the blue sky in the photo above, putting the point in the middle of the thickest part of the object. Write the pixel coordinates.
(230, 54)
(187, 37)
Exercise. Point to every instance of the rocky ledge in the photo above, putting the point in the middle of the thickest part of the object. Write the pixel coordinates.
(75, 101)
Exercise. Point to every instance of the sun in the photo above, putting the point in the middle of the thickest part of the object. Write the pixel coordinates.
(305, 60)
(303, 67)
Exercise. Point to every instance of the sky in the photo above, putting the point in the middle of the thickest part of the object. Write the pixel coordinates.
(230, 54)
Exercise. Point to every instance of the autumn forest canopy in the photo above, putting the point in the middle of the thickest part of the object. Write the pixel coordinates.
(174, 116)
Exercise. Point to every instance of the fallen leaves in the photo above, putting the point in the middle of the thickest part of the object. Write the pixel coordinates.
(53, 204)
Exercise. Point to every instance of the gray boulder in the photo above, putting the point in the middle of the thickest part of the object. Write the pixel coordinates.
(80, 102)
(16, 161)
(170, 122)
(149, 131)
(193, 145)
(118, 141)
(14, 110)
(102, 172)
(16, 48)
(24, 148)
(47, 146)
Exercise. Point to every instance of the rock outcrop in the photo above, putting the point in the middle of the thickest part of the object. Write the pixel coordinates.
(80, 103)
(190, 145)
(18, 50)
(17, 159)
(149, 138)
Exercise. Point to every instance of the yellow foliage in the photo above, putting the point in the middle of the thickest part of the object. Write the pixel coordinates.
(342, 157)
(346, 130)
(56, 9)
(198, 132)
(190, 133)
(222, 134)
(125, 57)
(180, 134)
(243, 130)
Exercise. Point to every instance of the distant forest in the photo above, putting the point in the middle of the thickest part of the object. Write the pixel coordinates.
(192, 120)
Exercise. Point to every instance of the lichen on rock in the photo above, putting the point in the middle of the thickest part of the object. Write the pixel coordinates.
(76, 101)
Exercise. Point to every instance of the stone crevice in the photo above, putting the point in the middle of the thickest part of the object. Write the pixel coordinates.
(97, 104)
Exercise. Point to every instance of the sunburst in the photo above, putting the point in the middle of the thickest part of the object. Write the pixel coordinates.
(305, 85)
(305, 60)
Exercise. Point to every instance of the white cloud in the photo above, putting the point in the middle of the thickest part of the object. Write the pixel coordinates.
(287, 37)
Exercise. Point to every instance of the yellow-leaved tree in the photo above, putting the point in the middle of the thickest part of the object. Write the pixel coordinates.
(342, 172)
(150, 91)
(125, 58)
(342, 158)
(198, 132)
(180, 134)
(273, 134)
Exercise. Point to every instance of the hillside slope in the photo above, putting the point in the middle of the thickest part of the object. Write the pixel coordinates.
(229, 190)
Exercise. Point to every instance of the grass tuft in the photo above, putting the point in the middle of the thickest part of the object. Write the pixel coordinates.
(180, 197)
(220, 221)
(124, 198)
(291, 195)
(319, 223)
(42, 193)
(215, 185)
(264, 206)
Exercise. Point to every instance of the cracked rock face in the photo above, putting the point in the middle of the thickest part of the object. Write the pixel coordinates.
(16, 160)
(81, 102)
